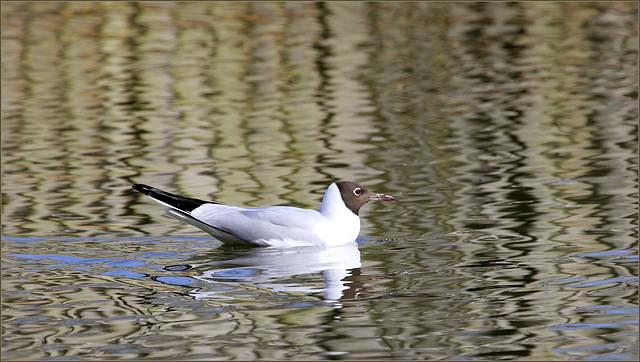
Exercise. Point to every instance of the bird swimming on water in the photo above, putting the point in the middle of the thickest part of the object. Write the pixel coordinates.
(335, 222)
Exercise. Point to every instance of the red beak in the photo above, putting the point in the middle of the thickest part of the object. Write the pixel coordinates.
(383, 197)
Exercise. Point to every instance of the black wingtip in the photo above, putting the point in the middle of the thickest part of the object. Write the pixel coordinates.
(184, 204)
(142, 188)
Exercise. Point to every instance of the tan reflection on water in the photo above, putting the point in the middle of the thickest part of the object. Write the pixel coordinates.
(197, 97)
(508, 130)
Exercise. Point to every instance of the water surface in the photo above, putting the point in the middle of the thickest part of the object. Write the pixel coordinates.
(508, 133)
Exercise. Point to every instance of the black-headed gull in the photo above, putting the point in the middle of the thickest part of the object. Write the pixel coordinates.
(335, 222)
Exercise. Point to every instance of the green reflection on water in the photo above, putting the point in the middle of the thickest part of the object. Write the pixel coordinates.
(507, 131)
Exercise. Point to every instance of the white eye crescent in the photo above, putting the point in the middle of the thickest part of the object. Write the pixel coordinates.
(357, 191)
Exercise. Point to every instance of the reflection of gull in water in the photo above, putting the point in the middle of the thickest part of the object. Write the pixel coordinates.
(264, 266)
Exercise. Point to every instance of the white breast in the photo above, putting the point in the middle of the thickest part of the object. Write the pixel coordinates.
(341, 224)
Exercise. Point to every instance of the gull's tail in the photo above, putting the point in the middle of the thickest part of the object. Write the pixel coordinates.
(180, 203)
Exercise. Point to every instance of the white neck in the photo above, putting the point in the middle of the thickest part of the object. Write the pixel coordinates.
(332, 204)
(344, 225)
(333, 207)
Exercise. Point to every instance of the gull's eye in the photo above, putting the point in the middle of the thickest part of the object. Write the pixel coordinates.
(357, 191)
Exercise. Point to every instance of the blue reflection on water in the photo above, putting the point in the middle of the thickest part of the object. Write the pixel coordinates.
(155, 254)
(19, 240)
(560, 182)
(126, 263)
(591, 325)
(586, 348)
(606, 252)
(567, 280)
(602, 282)
(16, 239)
(610, 309)
(127, 273)
(175, 280)
(234, 273)
(67, 258)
